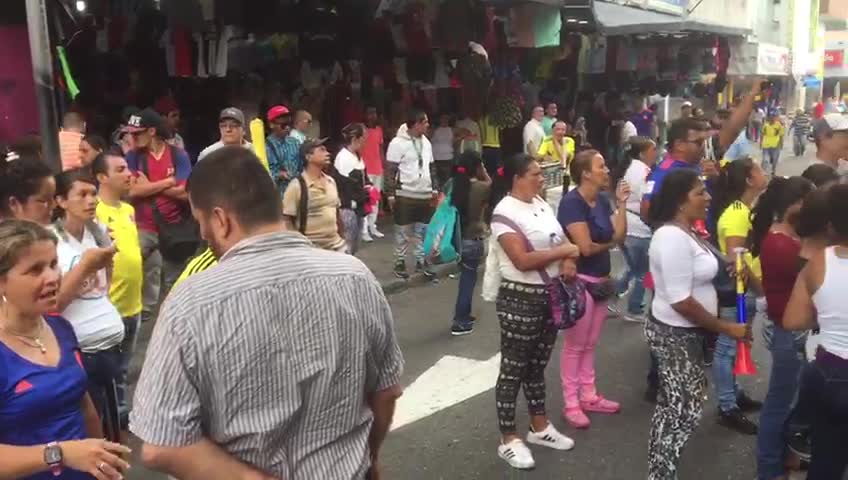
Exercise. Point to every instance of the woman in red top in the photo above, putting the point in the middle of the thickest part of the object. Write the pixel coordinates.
(775, 240)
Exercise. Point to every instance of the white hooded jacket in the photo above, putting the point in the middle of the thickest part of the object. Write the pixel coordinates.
(413, 157)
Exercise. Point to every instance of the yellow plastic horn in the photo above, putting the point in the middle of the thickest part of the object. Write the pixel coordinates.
(257, 134)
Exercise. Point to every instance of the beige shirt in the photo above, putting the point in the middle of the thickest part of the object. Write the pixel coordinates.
(322, 210)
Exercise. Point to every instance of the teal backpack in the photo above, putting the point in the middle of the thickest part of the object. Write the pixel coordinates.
(443, 241)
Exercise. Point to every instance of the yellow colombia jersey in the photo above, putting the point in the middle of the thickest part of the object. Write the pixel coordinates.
(127, 276)
(198, 264)
(549, 149)
(772, 133)
(736, 222)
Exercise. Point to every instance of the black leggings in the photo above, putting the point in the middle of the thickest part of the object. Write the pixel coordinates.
(527, 339)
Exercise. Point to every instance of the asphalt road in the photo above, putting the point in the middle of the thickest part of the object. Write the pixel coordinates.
(460, 442)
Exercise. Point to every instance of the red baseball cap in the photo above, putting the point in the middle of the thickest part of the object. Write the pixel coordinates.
(277, 111)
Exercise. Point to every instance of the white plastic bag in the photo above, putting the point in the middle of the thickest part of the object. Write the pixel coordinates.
(492, 273)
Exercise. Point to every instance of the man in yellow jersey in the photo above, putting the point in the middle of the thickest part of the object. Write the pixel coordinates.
(202, 262)
(114, 177)
(772, 141)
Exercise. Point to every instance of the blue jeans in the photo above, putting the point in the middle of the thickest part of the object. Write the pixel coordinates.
(788, 356)
(636, 254)
(131, 325)
(472, 253)
(824, 383)
(770, 157)
(724, 360)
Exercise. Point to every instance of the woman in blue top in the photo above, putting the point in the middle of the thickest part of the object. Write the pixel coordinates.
(590, 223)
(46, 417)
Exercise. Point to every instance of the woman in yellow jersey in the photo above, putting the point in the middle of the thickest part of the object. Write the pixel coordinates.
(737, 187)
(558, 149)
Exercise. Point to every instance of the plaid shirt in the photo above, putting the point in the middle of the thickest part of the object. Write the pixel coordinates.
(284, 155)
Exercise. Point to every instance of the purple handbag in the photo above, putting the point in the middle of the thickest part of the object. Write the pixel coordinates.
(567, 298)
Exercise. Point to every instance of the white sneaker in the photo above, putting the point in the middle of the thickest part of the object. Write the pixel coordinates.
(550, 437)
(376, 233)
(517, 455)
(366, 237)
(633, 318)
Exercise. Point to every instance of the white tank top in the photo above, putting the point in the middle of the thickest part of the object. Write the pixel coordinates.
(832, 305)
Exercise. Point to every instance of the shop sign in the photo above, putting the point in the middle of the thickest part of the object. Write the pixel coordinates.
(772, 60)
(668, 5)
(834, 58)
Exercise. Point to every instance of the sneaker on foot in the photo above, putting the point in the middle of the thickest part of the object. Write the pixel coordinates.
(633, 317)
(517, 455)
(376, 233)
(747, 404)
(462, 328)
(576, 417)
(550, 437)
(600, 405)
(425, 270)
(366, 237)
(400, 270)
(613, 309)
(736, 420)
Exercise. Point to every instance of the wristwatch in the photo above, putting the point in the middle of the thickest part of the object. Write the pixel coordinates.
(53, 458)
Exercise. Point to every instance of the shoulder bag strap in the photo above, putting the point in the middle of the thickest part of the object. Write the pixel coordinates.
(509, 223)
(303, 205)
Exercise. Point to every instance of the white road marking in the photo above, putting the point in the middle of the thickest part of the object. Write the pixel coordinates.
(450, 381)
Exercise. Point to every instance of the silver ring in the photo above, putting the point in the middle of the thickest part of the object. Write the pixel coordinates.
(101, 465)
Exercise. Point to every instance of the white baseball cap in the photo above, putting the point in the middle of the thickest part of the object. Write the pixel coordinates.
(830, 123)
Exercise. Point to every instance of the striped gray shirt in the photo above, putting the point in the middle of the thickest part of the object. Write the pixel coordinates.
(270, 354)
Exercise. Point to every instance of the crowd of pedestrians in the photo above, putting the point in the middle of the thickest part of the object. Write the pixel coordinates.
(137, 232)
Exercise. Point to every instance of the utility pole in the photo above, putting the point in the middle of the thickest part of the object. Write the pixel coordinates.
(42, 72)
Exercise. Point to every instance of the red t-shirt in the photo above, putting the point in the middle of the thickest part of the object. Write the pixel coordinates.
(818, 111)
(170, 209)
(371, 151)
(779, 259)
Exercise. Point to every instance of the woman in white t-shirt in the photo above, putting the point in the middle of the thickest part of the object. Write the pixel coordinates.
(351, 182)
(639, 160)
(527, 335)
(85, 258)
(443, 155)
(684, 309)
(818, 299)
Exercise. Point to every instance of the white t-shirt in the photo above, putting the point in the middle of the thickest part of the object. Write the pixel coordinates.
(96, 322)
(539, 224)
(637, 177)
(681, 268)
(627, 131)
(347, 161)
(219, 145)
(442, 144)
(533, 132)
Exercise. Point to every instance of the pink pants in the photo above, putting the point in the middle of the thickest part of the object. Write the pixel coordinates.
(577, 361)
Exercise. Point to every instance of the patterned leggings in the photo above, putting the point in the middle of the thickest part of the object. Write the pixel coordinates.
(527, 340)
(680, 355)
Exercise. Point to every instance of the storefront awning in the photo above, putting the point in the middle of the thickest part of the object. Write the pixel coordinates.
(615, 19)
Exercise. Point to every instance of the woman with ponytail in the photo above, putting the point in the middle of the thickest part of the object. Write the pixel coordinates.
(470, 187)
(640, 159)
(737, 187)
(529, 240)
(351, 180)
(774, 239)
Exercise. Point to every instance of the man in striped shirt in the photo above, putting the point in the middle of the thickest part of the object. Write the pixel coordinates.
(253, 371)
(800, 126)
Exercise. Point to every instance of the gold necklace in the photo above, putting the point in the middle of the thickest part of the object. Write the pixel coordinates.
(26, 339)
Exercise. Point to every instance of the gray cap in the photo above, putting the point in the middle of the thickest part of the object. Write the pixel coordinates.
(232, 113)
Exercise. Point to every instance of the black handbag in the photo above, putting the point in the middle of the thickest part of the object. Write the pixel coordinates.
(601, 291)
(177, 241)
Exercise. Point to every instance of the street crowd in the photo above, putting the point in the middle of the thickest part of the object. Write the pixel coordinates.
(254, 372)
